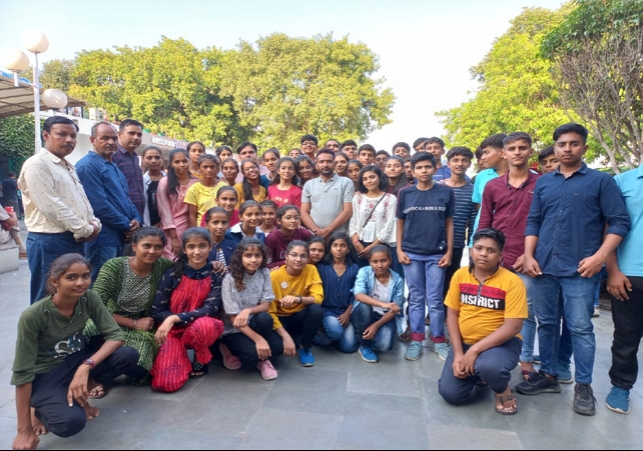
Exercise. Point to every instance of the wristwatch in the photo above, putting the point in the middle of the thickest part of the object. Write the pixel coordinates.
(89, 362)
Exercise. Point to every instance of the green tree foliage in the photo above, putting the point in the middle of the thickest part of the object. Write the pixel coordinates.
(171, 88)
(56, 74)
(517, 91)
(597, 57)
(270, 93)
(17, 136)
(284, 87)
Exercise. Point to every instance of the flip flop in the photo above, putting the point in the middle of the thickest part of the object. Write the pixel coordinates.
(502, 400)
(97, 392)
(198, 370)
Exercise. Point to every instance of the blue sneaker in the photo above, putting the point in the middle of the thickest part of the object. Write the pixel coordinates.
(368, 355)
(414, 351)
(618, 400)
(306, 357)
(564, 374)
(442, 349)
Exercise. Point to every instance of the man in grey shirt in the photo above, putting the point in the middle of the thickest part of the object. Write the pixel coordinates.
(326, 203)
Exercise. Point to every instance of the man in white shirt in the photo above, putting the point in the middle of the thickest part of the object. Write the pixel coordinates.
(58, 214)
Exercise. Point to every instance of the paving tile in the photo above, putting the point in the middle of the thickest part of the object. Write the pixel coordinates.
(385, 378)
(459, 437)
(328, 403)
(314, 379)
(382, 422)
(172, 439)
(279, 429)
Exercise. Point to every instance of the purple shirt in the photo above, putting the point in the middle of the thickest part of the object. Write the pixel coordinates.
(128, 164)
(506, 208)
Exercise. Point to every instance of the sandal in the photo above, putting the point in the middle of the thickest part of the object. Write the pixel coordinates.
(97, 392)
(502, 400)
(405, 337)
(198, 370)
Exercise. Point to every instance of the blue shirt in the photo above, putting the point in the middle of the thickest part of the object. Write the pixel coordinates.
(338, 290)
(464, 215)
(365, 284)
(424, 213)
(481, 181)
(630, 252)
(129, 165)
(106, 189)
(568, 215)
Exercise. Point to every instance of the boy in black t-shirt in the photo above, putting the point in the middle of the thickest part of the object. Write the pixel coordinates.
(425, 248)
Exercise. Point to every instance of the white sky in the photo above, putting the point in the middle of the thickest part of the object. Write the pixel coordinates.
(425, 47)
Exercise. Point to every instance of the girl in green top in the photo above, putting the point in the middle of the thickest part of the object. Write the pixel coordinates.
(127, 286)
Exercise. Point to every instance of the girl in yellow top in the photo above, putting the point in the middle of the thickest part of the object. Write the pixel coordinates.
(201, 193)
(249, 188)
(297, 305)
(486, 306)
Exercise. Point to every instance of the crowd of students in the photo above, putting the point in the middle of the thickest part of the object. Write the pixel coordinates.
(257, 260)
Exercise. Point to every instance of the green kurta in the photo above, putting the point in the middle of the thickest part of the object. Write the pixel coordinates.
(110, 285)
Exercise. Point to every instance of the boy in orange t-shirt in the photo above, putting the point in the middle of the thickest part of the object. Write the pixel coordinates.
(486, 306)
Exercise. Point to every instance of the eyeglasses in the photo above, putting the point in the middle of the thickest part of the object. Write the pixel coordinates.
(298, 256)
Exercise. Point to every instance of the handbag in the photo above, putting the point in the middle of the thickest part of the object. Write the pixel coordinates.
(370, 215)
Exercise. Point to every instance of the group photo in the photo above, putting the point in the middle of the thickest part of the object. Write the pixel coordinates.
(215, 260)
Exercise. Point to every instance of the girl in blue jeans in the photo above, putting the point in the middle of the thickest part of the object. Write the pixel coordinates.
(379, 295)
(338, 272)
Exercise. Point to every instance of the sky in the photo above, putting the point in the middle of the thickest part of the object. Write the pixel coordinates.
(425, 47)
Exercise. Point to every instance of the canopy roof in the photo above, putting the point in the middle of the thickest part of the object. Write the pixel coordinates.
(19, 100)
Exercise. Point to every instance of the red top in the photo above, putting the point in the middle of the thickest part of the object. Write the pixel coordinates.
(290, 196)
(506, 208)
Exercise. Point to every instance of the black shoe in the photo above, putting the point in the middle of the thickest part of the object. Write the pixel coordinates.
(537, 384)
(584, 401)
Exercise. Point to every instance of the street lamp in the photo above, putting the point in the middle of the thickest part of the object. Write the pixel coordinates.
(16, 61)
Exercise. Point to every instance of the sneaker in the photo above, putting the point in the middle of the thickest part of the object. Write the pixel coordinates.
(564, 374)
(597, 312)
(306, 357)
(414, 351)
(368, 355)
(618, 400)
(442, 349)
(268, 372)
(584, 401)
(538, 383)
(230, 361)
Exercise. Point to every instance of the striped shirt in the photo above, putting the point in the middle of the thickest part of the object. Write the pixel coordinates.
(464, 216)
(338, 290)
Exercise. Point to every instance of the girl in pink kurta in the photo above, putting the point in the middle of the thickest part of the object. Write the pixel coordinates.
(169, 197)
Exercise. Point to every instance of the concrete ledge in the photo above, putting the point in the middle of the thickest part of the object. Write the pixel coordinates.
(9, 258)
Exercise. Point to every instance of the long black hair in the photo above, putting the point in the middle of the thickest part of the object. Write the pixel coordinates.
(172, 182)
(193, 232)
(350, 258)
(247, 189)
(282, 160)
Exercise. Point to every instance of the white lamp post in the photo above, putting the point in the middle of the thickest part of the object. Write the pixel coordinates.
(16, 61)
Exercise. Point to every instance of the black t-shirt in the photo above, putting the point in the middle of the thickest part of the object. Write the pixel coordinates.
(155, 218)
(9, 188)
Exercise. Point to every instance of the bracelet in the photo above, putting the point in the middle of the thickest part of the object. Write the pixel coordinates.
(301, 300)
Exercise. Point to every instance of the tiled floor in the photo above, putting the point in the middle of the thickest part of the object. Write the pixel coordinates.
(341, 403)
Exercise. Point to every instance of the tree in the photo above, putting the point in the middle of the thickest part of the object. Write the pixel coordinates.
(517, 91)
(56, 74)
(171, 88)
(17, 136)
(285, 87)
(597, 54)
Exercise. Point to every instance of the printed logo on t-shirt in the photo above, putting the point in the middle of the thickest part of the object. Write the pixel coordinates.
(69, 346)
(428, 208)
(284, 285)
(485, 297)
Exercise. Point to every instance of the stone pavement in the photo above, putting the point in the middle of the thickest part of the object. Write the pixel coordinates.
(340, 403)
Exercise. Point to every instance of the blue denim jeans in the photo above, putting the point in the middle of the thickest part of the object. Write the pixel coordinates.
(362, 317)
(336, 333)
(42, 250)
(528, 331)
(98, 255)
(425, 280)
(577, 308)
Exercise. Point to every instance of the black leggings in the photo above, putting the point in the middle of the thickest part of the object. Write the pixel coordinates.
(245, 349)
